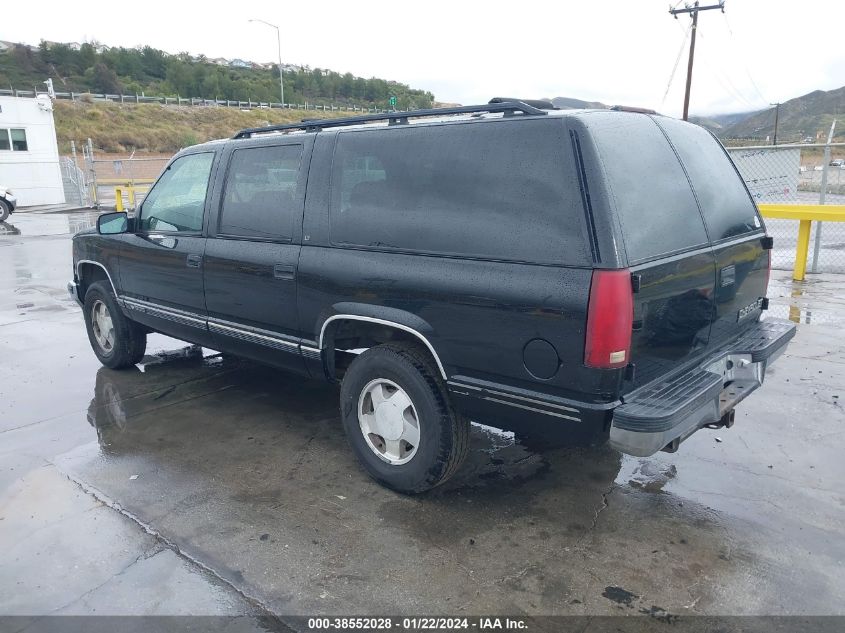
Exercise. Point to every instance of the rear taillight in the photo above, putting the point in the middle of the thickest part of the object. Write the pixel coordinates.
(610, 317)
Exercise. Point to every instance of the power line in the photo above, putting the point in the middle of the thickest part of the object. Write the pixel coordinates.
(722, 78)
(693, 11)
(730, 87)
(745, 65)
(677, 61)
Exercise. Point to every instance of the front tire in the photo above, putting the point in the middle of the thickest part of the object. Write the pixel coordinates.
(117, 341)
(398, 419)
(5, 210)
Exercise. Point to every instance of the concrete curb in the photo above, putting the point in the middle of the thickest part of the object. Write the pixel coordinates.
(53, 208)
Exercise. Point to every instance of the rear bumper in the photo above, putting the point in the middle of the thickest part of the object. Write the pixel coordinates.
(667, 411)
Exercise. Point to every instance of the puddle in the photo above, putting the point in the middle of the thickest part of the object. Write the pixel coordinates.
(44, 225)
(813, 301)
(648, 475)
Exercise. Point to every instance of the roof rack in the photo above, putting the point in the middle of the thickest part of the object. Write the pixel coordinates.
(542, 104)
(621, 108)
(393, 118)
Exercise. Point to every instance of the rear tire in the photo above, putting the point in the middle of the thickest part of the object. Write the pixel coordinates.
(5, 210)
(117, 341)
(395, 391)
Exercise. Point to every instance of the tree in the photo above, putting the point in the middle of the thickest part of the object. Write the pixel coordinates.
(86, 58)
(153, 62)
(105, 80)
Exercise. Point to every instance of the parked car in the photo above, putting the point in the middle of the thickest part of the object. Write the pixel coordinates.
(8, 202)
(600, 270)
(837, 162)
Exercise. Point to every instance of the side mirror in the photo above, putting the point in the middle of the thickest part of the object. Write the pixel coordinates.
(112, 223)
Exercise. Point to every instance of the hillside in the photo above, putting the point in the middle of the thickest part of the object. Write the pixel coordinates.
(156, 128)
(807, 116)
(94, 67)
(717, 123)
(568, 103)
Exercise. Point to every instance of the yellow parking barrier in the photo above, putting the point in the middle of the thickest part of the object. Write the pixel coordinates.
(118, 199)
(129, 187)
(805, 214)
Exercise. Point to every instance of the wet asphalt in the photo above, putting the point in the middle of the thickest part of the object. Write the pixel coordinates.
(203, 484)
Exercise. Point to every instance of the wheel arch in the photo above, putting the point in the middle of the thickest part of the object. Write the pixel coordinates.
(89, 271)
(409, 327)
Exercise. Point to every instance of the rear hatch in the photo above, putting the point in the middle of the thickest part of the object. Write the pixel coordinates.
(691, 235)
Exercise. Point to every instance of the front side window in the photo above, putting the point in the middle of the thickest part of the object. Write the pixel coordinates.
(13, 139)
(177, 201)
(261, 197)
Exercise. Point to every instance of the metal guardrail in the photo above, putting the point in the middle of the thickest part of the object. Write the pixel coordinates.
(195, 101)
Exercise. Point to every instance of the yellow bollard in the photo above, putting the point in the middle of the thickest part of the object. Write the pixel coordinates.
(131, 190)
(118, 199)
(802, 250)
(806, 214)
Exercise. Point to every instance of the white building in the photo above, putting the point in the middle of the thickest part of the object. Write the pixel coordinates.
(29, 153)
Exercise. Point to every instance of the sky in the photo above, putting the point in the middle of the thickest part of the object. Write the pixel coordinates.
(615, 51)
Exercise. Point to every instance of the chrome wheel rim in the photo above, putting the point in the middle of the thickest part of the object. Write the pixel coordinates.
(102, 326)
(389, 421)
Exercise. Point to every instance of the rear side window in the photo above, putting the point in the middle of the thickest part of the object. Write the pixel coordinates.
(500, 190)
(727, 208)
(648, 187)
(260, 199)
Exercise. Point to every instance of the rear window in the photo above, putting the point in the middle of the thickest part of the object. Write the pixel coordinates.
(727, 208)
(501, 190)
(648, 187)
(261, 200)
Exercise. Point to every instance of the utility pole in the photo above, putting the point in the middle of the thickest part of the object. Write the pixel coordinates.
(777, 112)
(693, 11)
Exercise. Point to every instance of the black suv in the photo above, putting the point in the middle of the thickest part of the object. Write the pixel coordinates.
(604, 271)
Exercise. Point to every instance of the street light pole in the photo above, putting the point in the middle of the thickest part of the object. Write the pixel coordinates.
(279, 44)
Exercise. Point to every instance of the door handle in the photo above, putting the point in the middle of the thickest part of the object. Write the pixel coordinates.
(284, 271)
(166, 241)
(194, 261)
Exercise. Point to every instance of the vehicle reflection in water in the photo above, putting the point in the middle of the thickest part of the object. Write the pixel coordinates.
(120, 396)
(142, 411)
(9, 229)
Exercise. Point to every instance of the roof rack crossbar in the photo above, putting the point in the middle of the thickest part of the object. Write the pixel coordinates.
(393, 118)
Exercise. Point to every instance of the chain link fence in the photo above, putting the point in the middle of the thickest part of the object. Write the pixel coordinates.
(798, 174)
(101, 178)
